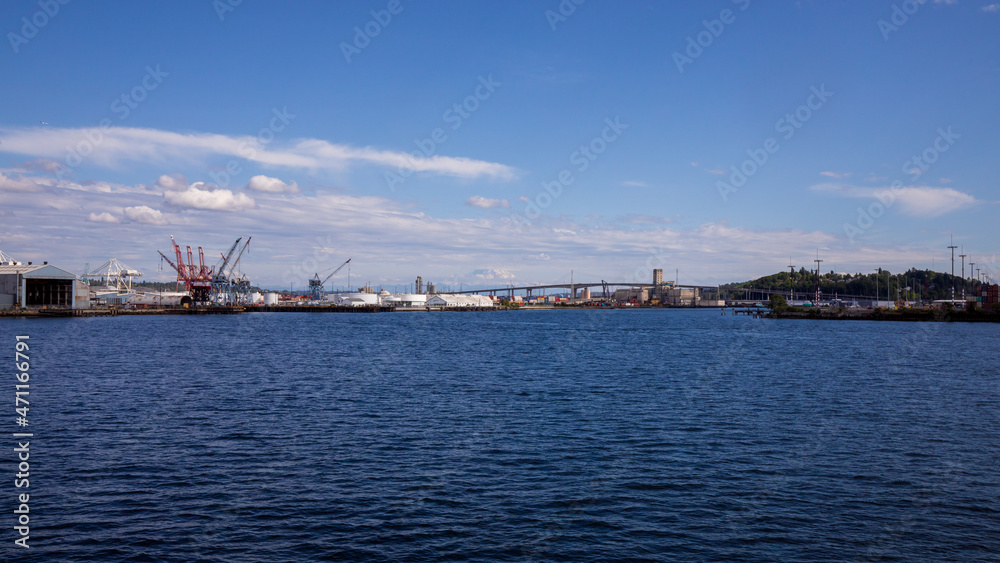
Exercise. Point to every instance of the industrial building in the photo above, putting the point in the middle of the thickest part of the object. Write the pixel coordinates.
(449, 301)
(41, 286)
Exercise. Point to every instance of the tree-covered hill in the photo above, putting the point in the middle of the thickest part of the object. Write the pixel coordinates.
(923, 284)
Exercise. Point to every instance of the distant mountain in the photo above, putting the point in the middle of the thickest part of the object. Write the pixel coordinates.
(491, 274)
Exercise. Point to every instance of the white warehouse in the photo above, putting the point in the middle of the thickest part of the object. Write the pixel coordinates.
(41, 285)
(448, 301)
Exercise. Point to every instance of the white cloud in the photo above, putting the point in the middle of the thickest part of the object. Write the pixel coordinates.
(157, 146)
(644, 219)
(102, 218)
(19, 184)
(486, 203)
(713, 171)
(200, 196)
(392, 241)
(918, 201)
(42, 165)
(145, 215)
(266, 184)
(834, 174)
(992, 8)
(931, 202)
(634, 184)
(170, 182)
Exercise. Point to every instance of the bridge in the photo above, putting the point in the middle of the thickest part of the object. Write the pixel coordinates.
(571, 286)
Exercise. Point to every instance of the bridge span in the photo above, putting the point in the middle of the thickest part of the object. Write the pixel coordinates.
(572, 287)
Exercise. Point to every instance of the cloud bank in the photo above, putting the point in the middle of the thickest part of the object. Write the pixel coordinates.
(916, 201)
(113, 145)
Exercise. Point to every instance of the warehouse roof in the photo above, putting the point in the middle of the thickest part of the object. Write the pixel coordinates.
(37, 271)
(452, 300)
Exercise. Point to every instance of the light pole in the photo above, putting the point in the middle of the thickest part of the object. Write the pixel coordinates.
(818, 294)
(953, 247)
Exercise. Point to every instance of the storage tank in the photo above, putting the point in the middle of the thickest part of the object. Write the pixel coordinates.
(271, 298)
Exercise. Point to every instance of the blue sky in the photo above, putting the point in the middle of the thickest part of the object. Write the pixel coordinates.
(644, 125)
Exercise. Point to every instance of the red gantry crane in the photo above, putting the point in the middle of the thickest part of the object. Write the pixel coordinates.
(197, 280)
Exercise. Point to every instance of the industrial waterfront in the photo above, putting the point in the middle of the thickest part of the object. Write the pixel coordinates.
(115, 288)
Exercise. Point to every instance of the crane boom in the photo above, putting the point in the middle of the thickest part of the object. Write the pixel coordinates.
(335, 272)
(232, 268)
(227, 256)
(190, 263)
(182, 270)
(203, 271)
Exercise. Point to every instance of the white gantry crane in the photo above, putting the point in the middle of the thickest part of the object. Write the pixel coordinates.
(316, 285)
(6, 260)
(114, 275)
(228, 286)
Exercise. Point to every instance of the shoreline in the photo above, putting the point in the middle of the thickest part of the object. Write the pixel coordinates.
(903, 315)
(906, 315)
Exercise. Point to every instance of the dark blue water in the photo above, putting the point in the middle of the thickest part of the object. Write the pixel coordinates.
(527, 436)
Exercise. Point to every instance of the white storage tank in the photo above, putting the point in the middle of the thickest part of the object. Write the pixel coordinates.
(271, 298)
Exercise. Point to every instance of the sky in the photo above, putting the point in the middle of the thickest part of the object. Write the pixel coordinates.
(486, 143)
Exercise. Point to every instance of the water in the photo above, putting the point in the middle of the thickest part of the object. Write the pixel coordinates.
(525, 436)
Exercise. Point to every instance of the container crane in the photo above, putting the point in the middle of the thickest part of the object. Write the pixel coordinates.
(225, 288)
(235, 263)
(316, 285)
(195, 281)
(226, 258)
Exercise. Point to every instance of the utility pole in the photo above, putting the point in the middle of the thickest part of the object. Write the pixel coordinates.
(791, 282)
(818, 262)
(953, 247)
(963, 272)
